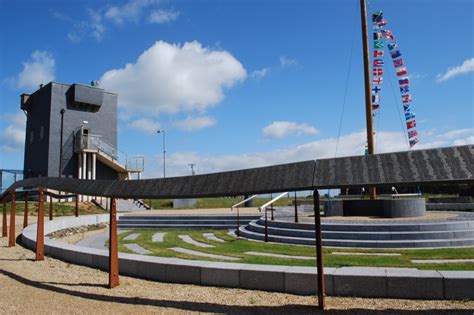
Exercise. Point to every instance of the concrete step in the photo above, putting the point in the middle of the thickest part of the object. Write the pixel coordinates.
(344, 226)
(187, 217)
(359, 243)
(177, 226)
(358, 235)
(163, 222)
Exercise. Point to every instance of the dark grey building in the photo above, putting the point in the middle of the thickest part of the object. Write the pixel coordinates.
(89, 133)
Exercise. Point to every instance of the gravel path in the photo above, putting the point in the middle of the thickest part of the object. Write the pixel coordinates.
(55, 287)
(188, 239)
(158, 237)
(212, 237)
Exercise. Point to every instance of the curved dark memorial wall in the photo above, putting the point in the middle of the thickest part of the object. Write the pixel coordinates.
(451, 165)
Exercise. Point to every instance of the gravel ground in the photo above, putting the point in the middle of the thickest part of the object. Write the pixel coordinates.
(55, 287)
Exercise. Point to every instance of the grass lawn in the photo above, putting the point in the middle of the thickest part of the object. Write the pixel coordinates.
(59, 209)
(237, 247)
(210, 203)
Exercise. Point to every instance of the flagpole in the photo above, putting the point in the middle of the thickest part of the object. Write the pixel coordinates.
(368, 95)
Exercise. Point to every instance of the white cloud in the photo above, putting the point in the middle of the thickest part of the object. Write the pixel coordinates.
(282, 129)
(195, 123)
(466, 67)
(131, 11)
(287, 62)
(12, 136)
(349, 145)
(39, 69)
(170, 78)
(259, 74)
(163, 16)
(145, 124)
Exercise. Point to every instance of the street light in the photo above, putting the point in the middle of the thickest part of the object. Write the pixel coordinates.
(61, 144)
(192, 165)
(164, 151)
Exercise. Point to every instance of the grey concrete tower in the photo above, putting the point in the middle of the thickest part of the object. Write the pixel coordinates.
(89, 118)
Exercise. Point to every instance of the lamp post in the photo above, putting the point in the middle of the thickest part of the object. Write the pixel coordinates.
(164, 151)
(61, 144)
(192, 165)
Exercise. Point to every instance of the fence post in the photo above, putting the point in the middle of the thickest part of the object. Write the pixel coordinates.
(113, 250)
(319, 252)
(40, 227)
(11, 238)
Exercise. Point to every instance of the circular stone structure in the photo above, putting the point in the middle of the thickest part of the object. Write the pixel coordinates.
(436, 229)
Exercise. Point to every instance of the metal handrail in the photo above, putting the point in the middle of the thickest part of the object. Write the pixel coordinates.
(272, 201)
(243, 201)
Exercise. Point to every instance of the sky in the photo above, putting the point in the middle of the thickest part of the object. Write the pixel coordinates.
(239, 84)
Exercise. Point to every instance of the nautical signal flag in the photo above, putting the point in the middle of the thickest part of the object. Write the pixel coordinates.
(375, 106)
(388, 34)
(395, 54)
(375, 99)
(411, 124)
(409, 115)
(398, 63)
(380, 24)
(377, 72)
(377, 81)
(377, 16)
(378, 44)
(404, 89)
(404, 82)
(413, 142)
(401, 72)
(378, 53)
(378, 63)
(406, 98)
(376, 89)
(412, 133)
(378, 35)
(406, 107)
(392, 45)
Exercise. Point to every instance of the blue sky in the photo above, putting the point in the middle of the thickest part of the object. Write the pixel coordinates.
(239, 84)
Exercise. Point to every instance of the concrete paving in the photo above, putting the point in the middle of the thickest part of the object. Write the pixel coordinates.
(280, 256)
(441, 261)
(212, 237)
(96, 241)
(366, 254)
(158, 237)
(131, 237)
(137, 249)
(232, 233)
(189, 240)
(201, 254)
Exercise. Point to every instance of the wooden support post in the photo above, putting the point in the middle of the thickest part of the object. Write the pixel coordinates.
(113, 251)
(50, 207)
(4, 223)
(11, 237)
(296, 210)
(266, 225)
(40, 227)
(77, 206)
(238, 222)
(25, 216)
(271, 206)
(319, 252)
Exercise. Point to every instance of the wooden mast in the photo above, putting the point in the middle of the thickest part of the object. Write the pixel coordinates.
(368, 94)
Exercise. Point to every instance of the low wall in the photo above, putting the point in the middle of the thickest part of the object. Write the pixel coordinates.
(345, 281)
(461, 199)
(388, 208)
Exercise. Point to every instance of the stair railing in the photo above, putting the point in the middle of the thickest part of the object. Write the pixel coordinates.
(264, 208)
(238, 215)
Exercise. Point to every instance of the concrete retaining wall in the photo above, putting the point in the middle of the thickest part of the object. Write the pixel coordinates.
(388, 208)
(346, 281)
